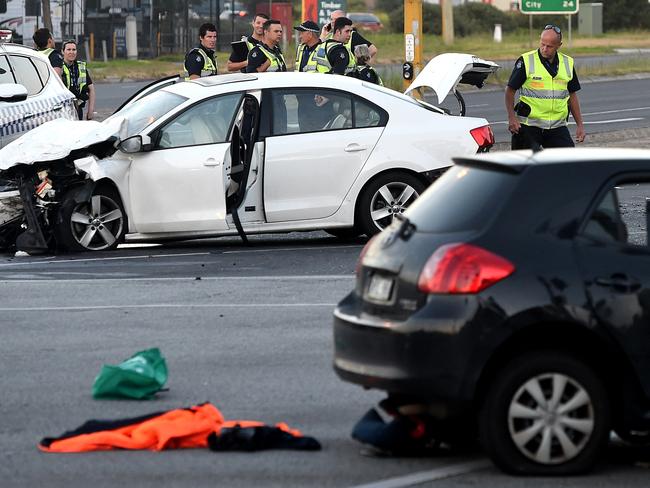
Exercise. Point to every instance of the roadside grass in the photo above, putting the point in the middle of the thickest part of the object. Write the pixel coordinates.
(391, 48)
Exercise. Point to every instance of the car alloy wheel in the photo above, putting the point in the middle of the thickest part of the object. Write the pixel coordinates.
(98, 224)
(551, 418)
(545, 413)
(386, 196)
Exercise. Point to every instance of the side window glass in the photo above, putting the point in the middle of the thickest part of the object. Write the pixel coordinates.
(622, 216)
(205, 123)
(5, 71)
(43, 70)
(366, 115)
(26, 74)
(313, 110)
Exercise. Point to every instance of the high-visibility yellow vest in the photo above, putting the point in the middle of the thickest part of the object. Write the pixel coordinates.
(277, 59)
(209, 68)
(323, 64)
(309, 66)
(47, 51)
(547, 96)
(81, 80)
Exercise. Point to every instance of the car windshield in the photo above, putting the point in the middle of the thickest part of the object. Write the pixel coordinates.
(462, 199)
(147, 110)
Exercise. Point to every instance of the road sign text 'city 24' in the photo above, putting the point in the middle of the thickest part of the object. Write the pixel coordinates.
(549, 6)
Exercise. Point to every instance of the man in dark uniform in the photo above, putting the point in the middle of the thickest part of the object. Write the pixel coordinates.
(548, 86)
(333, 55)
(200, 60)
(309, 41)
(267, 55)
(77, 79)
(238, 61)
(356, 39)
(45, 44)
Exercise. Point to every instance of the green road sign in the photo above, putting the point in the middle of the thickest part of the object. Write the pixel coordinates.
(548, 6)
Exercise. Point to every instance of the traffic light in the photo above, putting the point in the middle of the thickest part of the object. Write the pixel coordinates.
(407, 71)
(3, 6)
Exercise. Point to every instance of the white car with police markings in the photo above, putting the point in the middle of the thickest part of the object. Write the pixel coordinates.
(31, 93)
(240, 154)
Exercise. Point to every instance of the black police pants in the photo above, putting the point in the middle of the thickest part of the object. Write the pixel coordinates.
(534, 137)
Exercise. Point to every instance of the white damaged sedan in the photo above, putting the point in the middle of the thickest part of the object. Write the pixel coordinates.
(236, 154)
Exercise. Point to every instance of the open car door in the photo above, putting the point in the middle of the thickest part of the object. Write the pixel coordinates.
(445, 72)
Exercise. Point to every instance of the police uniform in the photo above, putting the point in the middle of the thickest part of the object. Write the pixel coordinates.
(333, 57)
(54, 56)
(543, 108)
(76, 78)
(260, 54)
(304, 54)
(251, 42)
(355, 40)
(200, 61)
(366, 73)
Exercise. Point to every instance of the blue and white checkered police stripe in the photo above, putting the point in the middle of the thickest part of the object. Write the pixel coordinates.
(12, 119)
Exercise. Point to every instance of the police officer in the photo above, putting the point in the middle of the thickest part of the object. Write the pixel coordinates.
(309, 40)
(548, 85)
(45, 44)
(356, 39)
(237, 61)
(363, 71)
(77, 79)
(267, 56)
(200, 60)
(333, 56)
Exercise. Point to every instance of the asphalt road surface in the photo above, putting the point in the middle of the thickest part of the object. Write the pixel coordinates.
(247, 328)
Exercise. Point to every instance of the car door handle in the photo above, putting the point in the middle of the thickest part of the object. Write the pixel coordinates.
(211, 162)
(28, 116)
(619, 282)
(354, 148)
(56, 108)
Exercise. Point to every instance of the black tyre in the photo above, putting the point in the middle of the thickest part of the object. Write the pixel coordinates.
(545, 414)
(95, 225)
(383, 198)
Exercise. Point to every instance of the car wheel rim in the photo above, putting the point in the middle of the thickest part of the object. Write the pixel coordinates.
(390, 200)
(97, 224)
(551, 418)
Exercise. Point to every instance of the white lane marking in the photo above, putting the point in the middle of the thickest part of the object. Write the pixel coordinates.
(610, 121)
(164, 305)
(432, 475)
(137, 245)
(479, 105)
(114, 258)
(291, 249)
(185, 278)
(616, 111)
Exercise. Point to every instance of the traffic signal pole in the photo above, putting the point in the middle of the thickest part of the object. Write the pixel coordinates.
(412, 40)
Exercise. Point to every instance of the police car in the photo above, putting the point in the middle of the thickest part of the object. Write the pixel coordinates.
(241, 154)
(31, 93)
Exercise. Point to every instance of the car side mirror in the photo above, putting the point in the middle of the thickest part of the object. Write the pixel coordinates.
(12, 92)
(136, 144)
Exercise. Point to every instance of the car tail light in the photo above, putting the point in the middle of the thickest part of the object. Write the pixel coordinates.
(462, 268)
(484, 137)
(357, 269)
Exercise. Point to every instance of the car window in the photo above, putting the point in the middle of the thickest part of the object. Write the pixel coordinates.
(621, 216)
(144, 112)
(5, 71)
(368, 115)
(26, 74)
(204, 123)
(445, 206)
(310, 110)
(43, 69)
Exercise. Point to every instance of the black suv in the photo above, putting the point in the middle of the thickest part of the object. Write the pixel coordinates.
(514, 296)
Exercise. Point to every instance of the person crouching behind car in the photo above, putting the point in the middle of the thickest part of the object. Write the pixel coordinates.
(362, 71)
(76, 77)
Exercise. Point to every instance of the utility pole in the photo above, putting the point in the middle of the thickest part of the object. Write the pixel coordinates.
(447, 10)
(412, 40)
(47, 16)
